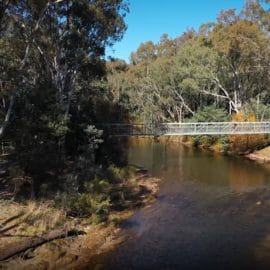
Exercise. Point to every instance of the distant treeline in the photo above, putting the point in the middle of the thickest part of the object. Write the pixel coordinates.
(204, 75)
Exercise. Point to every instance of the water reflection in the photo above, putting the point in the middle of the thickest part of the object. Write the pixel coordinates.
(179, 163)
(191, 225)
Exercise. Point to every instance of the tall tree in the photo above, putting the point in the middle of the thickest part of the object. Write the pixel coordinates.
(52, 65)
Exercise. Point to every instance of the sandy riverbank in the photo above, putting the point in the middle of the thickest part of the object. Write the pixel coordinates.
(262, 155)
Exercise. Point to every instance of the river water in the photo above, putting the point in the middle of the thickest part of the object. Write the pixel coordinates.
(211, 212)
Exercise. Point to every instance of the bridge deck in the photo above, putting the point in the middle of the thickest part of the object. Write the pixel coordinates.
(174, 129)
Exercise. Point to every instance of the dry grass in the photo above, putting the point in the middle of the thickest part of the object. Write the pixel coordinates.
(20, 221)
(43, 217)
(82, 252)
(69, 253)
(32, 219)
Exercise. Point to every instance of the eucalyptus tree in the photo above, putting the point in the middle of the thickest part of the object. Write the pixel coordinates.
(197, 68)
(244, 60)
(66, 39)
(52, 63)
(225, 63)
(258, 11)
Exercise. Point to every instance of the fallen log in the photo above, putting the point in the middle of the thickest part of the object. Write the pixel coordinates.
(33, 242)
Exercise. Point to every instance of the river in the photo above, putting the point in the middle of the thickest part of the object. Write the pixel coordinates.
(210, 213)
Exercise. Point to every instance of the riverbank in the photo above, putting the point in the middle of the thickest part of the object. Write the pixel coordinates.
(262, 155)
(19, 223)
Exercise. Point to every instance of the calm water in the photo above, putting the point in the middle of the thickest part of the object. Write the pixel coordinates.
(193, 224)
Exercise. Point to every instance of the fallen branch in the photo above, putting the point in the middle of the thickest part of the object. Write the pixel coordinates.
(36, 241)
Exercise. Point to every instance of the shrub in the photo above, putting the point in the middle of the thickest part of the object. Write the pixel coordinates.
(96, 206)
(98, 196)
(244, 143)
(209, 114)
(120, 174)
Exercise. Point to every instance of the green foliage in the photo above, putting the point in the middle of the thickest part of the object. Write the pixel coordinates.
(53, 90)
(56, 88)
(117, 173)
(210, 114)
(59, 127)
(95, 201)
(93, 135)
(224, 142)
(225, 63)
(258, 107)
(97, 197)
(93, 206)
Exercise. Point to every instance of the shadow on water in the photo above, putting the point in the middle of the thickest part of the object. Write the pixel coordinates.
(211, 213)
(129, 224)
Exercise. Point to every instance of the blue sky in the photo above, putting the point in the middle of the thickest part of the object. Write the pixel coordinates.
(149, 19)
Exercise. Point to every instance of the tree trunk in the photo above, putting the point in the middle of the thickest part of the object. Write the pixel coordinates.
(8, 115)
(36, 241)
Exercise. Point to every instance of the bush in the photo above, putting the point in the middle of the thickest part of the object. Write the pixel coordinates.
(95, 200)
(97, 206)
(120, 174)
(99, 195)
(245, 143)
(204, 140)
(209, 114)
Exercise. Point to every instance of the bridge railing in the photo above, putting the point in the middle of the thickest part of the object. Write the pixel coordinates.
(202, 128)
(217, 128)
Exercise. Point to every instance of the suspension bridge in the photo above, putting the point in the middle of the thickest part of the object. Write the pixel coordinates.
(180, 129)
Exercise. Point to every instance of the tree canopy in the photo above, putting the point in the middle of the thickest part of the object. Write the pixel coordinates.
(52, 86)
(224, 64)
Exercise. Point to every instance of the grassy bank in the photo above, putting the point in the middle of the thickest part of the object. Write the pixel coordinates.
(19, 222)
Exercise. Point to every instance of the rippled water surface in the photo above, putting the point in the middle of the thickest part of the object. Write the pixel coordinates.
(193, 223)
